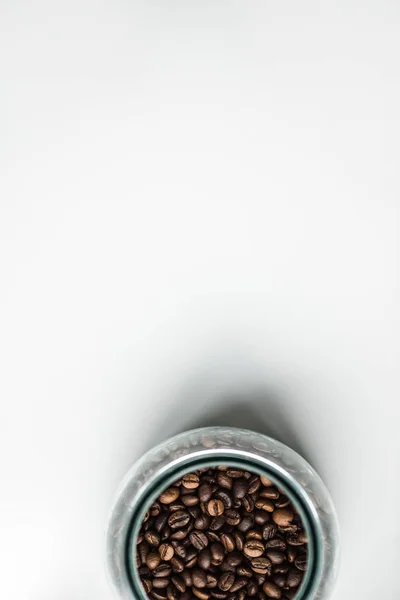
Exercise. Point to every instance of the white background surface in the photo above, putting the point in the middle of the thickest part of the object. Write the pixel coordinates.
(199, 209)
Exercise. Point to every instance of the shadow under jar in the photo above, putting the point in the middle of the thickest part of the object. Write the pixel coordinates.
(201, 451)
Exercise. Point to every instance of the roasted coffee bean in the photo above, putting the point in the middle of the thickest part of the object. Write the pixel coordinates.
(153, 560)
(202, 522)
(272, 590)
(261, 565)
(265, 504)
(177, 564)
(178, 505)
(217, 553)
(163, 570)
(260, 580)
(161, 521)
(253, 548)
(212, 536)
(282, 501)
(224, 481)
(172, 592)
(212, 580)
(232, 516)
(266, 481)
(160, 582)
(155, 509)
(190, 500)
(205, 492)
(219, 594)
(217, 523)
(194, 511)
(166, 551)
(169, 496)
(179, 548)
(143, 551)
(225, 582)
(261, 517)
(178, 519)
(201, 594)
(240, 488)
(204, 559)
(294, 578)
(239, 583)
(244, 571)
(248, 503)
(179, 583)
(239, 540)
(147, 584)
(275, 557)
(180, 534)
(228, 541)
(301, 562)
(225, 497)
(186, 595)
(215, 507)
(191, 558)
(198, 539)
(246, 523)
(271, 493)
(234, 472)
(152, 538)
(254, 534)
(291, 554)
(269, 531)
(234, 559)
(199, 578)
(280, 580)
(191, 481)
(144, 571)
(254, 484)
(252, 588)
(159, 594)
(282, 567)
(283, 517)
(276, 544)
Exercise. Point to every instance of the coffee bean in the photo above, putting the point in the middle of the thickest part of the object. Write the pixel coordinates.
(205, 492)
(266, 481)
(161, 521)
(160, 582)
(191, 481)
(240, 487)
(178, 519)
(234, 472)
(212, 536)
(215, 507)
(225, 582)
(169, 496)
(202, 522)
(152, 537)
(265, 504)
(219, 594)
(261, 565)
(225, 497)
(153, 560)
(172, 593)
(198, 539)
(294, 578)
(186, 596)
(252, 588)
(253, 548)
(155, 509)
(178, 505)
(217, 553)
(217, 523)
(166, 551)
(281, 568)
(228, 541)
(232, 516)
(179, 583)
(147, 584)
(276, 544)
(239, 583)
(234, 559)
(158, 594)
(199, 578)
(282, 502)
(283, 516)
(179, 548)
(191, 558)
(248, 503)
(163, 570)
(301, 562)
(187, 577)
(224, 481)
(275, 557)
(272, 590)
(244, 571)
(261, 517)
(200, 594)
(204, 559)
(190, 500)
(269, 531)
(270, 492)
(280, 580)
(177, 564)
(291, 555)
(239, 540)
(254, 484)
(180, 534)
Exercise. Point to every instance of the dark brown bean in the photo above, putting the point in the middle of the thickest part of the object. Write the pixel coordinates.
(254, 534)
(172, 593)
(179, 583)
(153, 560)
(159, 594)
(246, 523)
(187, 577)
(161, 521)
(270, 492)
(169, 495)
(266, 481)
(177, 564)
(180, 534)
(190, 500)
(191, 558)
(224, 481)
(283, 516)
(253, 548)
(205, 492)
(261, 565)
(261, 517)
(239, 540)
(178, 519)
(166, 551)
(204, 559)
(217, 553)
(147, 584)
(219, 594)
(201, 594)
(202, 522)
(232, 516)
(254, 484)
(281, 568)
(280, 580)
(163, 570)
(155, 509)
(179, 548)
(211, 580)
(234, 472)
(190, 481)
(282, 501)
(272, 590)
(276, 544)
(239, 583)
(198, 539)
(301, 562)
(265, 504)
(294, 578)
(225, 497)
(248, 503)
(228, 541)
(225, 582)
(291, 554)
(152, 538)
(244, 571)
(240, 487)
(252, 588)
(199, 578)
(275, 557)
(269, 531)
(215, 507)
(160, 582)
(217, 523)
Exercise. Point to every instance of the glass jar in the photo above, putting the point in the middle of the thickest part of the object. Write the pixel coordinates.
(218, 446)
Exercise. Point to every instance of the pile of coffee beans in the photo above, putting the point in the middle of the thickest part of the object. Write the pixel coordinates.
(222, 534)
